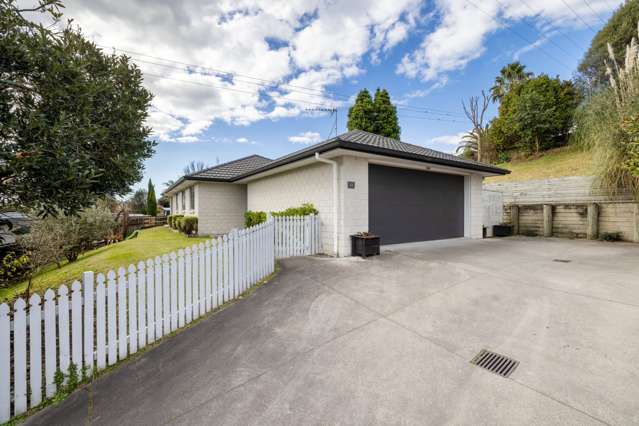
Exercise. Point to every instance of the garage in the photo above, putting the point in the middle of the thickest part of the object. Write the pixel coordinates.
(406, 205)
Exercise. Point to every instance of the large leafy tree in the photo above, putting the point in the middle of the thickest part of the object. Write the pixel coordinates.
(71, 117)
(137, 203)
(151, 201)
(509, 75)
(535, 115)
(361, 114)
(385, 123)
(377, 115)
(618, 31)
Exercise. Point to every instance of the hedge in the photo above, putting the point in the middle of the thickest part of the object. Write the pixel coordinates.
(188, 225)
(174, 219)
(252, 218)
(303, 210)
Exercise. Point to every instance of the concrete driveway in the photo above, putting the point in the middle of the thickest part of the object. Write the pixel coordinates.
(388, 341)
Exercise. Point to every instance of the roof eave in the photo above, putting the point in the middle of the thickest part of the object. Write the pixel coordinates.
(416, 157)
(374, 150)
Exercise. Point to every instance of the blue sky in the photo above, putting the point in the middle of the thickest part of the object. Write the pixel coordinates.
(429, 55)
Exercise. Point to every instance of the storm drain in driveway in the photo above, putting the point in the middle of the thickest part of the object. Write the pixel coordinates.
(495, 363)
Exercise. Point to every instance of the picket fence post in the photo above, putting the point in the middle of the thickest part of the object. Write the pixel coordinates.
(5, 369)
(100, 323)
(35, 349)
(50, 338)
(87, 293)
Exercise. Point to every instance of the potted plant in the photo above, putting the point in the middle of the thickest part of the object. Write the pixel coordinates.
(503, 230)
(364, 244)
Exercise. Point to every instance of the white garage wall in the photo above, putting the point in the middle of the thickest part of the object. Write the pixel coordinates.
(308, 184)
(473, 211)
(353, 202)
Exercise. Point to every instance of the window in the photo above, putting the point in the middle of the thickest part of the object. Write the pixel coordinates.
(192, 198)
(183, 201)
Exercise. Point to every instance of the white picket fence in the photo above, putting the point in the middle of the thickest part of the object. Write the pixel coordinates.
(297, 236)
(108, 317)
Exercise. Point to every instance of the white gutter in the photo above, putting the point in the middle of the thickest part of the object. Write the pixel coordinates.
(335, 198)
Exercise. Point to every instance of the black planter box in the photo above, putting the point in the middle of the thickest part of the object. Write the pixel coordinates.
(364, 245)
(502, 230)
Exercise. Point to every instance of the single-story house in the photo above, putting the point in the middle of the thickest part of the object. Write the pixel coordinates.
(358, 181)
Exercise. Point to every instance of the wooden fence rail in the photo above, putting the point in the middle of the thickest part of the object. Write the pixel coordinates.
(107, 317)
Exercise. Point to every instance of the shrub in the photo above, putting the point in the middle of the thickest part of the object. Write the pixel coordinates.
(252, 218)
(175, 220)
(189, 225)
(303, 210)
(13, 267)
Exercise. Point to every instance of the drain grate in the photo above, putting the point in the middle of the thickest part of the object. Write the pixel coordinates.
(495, 363)
(562, 260)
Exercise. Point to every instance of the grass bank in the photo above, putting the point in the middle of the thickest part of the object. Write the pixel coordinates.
(566, 161)
(149, 243)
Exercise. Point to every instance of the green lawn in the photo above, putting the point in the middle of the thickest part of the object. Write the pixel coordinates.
(149, 243)
(567, 161)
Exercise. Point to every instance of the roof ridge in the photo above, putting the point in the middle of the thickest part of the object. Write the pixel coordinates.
(226, 164)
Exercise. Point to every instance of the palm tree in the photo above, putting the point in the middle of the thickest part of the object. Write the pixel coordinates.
(510, 74)
(469, 142)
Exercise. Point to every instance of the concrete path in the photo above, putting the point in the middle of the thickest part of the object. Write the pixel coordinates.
(388, 340)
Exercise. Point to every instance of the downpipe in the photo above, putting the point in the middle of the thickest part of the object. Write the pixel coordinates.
(335, 198)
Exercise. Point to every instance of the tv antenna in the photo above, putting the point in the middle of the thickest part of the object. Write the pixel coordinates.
(333, 112)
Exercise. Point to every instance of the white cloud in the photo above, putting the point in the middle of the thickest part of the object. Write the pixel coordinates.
(461, 28)
(446, 143)
(187, 139)
(303, 43)
(310, 43)
(306, 138)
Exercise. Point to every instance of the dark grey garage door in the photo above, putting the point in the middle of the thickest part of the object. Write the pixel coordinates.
(410, 205)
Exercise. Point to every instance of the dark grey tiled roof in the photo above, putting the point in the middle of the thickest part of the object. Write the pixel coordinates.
(371, 139)
(356, 140)
(362, 141)
(228, 171)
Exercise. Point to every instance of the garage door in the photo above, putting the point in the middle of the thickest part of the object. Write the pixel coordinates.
(410, 205)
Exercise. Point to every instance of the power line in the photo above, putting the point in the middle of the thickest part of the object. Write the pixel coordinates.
(519, 35)
(544, 36)
(578, 16)
(550, 24)
(268, 83)
(291, 100)
(595, 12)
(407, 108)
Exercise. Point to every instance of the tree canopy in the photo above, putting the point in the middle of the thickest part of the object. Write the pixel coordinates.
(535, 115)
(377, 115)
(137, 202)
(151, 201)
(618, 31)
(71, 117)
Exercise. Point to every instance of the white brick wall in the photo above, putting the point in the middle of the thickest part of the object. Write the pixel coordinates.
(220, 207)
(473, 216)
(353, 202)
(308, 184)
